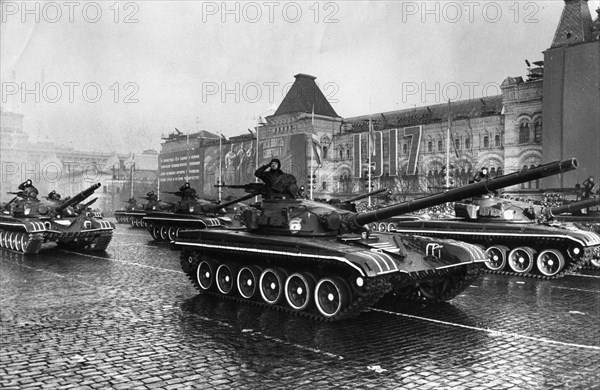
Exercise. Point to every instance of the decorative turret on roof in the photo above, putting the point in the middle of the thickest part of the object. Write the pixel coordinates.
(305, 96)
(575, 24)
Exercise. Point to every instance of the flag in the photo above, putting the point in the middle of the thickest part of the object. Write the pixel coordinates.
(371, 138)
(450, 119)
(316, 146)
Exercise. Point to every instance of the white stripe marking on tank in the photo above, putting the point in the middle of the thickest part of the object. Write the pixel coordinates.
(490, 331)
(576, 289)
(373, 260)
(444, 232)
(254, 250)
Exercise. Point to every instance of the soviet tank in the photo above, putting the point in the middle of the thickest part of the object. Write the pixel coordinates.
(319, 261)
(27, 223)
(193, 214)
(122, 216)
(519, 238)
(79, 227)
(135, 217)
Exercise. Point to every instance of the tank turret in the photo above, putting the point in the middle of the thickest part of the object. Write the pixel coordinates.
(308, 218)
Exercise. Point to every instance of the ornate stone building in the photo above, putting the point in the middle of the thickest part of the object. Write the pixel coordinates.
(411, 151)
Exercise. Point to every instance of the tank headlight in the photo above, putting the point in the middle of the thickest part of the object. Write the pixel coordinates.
(508, 214)
(191, 209)
(576, 250)
(360, 282)
(295, 225)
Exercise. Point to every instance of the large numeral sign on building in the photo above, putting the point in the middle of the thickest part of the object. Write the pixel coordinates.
(386, 147)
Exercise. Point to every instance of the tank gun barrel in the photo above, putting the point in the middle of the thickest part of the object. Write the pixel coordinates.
(80, 197)
(575, 206)
(475, 189)
(363, 196)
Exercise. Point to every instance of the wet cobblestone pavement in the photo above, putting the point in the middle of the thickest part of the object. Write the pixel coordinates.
(130, 319)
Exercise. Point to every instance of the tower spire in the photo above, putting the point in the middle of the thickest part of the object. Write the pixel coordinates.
(575, 24)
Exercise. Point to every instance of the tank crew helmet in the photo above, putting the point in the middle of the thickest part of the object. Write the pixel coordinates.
(187, 184)
(150, 193)
(484, 170)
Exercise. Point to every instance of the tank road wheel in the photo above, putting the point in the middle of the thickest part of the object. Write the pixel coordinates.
(9, 240)
(331, 296)
(496, 257)
(173, 233)
(205, 274)
(521, 259)
(156, 233)
(247, 281)
(271, 285)
(298, 290)
(381, 227)
(550, 262)
(391, 227)
(1, 239)
(225, 278)
(164, 233)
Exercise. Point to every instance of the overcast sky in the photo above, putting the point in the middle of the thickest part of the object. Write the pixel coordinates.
(198, 65)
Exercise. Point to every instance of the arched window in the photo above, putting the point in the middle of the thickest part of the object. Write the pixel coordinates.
(341, 154)
(467, 143)
(347, 153)
(457, 144)
(499, 171)
(430, 146)
(497, 140)
(440, 146)
(524, 133)
(486, 141)
(537, 131)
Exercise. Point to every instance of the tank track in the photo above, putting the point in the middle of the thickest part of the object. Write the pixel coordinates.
(98, 242)
(583, 262)
(373, 290)
(459, 283)
(21, 242)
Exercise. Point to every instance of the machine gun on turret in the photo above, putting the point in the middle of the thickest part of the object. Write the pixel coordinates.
(80, 197)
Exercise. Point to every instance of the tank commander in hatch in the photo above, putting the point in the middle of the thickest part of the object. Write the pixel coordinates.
(186, 192)
(53, 195)
(481, 175)
(588, 187)
(28, 190)
(277, 183)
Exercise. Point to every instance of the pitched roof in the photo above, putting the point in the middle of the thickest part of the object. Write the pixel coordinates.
(462, 109)
(575, 24)
(304, 96)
